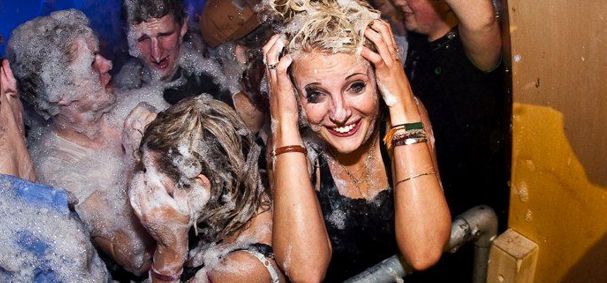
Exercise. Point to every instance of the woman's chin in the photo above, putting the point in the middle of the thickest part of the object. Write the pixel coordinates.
(343, 146)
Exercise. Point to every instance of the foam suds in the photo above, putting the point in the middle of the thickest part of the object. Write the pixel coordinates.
(127, 100)
(149, 190)
(39, 242)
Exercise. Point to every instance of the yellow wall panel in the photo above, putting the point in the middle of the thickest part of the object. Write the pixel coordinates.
(553, 203)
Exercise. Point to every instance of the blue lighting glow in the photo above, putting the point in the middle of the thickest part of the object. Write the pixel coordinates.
(104, 16)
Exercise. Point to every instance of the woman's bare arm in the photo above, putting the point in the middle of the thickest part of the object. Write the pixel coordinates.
(301, 242)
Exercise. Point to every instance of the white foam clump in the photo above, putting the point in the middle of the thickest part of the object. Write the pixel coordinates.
(193, 62)
(127, 100)
(32, 42)
(212, 256)
(66, 247)
(85, 172)
(338, 218)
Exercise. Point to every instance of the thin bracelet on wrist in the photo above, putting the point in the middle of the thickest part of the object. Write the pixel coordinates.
(289, 148)
(413, 177)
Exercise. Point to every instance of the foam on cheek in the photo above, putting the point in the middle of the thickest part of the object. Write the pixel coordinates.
(193, 204)
(132, 37)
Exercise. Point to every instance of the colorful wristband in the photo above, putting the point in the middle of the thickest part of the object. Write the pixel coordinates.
(412, 130)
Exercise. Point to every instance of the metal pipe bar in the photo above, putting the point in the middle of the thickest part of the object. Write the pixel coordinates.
(477, 225)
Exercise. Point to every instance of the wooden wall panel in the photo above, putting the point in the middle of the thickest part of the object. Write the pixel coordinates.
(559, 167)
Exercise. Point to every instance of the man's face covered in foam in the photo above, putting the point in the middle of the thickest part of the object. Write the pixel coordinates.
(92, 82)
(157, 42)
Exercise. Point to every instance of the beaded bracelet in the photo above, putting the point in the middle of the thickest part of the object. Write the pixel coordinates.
(289, 148)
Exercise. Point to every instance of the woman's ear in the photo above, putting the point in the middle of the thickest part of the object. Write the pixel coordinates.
(204, 182)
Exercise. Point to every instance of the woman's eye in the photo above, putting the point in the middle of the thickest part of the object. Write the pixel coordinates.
(358, 87)
(313, 95)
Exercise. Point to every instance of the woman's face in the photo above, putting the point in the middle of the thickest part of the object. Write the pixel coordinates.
(152, 175)
(339, 97)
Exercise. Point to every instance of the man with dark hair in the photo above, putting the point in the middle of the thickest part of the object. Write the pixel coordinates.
(166, 54)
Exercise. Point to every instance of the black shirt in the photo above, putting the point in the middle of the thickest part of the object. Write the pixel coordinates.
(185, 85)
(470, 115)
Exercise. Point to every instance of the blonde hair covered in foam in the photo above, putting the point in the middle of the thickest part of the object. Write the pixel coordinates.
(331, 26)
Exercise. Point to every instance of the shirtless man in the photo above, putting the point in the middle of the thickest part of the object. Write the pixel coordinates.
(61, 75)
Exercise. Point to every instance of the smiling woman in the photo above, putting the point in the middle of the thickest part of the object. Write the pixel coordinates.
(353, 210)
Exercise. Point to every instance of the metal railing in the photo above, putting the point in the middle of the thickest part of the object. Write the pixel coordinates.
(477, 225)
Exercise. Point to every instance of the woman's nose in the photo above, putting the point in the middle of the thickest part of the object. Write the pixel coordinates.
(340, 110)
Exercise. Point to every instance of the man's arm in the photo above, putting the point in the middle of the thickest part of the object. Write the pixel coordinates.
(480, 31)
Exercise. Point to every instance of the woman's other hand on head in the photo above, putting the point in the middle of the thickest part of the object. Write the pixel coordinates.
(283, 103)
(390, 75)
(159, 212)
(134, 126)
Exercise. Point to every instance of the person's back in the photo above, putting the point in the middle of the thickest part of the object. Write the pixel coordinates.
(454, 64)
(455, 67)
(41, 239)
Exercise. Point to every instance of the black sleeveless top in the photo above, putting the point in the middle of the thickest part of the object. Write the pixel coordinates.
(361, 231)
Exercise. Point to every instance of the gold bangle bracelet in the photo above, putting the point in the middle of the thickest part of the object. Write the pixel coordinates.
(413, 177)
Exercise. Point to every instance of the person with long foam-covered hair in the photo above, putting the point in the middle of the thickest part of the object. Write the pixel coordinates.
(199, 174)
(354, 173)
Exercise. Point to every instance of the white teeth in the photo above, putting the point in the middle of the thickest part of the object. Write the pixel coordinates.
(344, 129)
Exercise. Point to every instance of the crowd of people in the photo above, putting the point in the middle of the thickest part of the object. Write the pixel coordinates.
(265, 141)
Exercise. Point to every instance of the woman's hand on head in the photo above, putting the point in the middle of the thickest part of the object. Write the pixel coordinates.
(390, 75)
(134, 126)
(283, 103)
(160, 213)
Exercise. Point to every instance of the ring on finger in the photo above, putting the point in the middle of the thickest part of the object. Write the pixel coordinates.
(272, 66)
